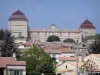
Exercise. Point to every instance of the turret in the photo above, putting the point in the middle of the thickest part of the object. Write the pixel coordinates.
(18, 25)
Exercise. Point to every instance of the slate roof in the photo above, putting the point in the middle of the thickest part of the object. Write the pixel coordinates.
(87, 24)
(18, 15)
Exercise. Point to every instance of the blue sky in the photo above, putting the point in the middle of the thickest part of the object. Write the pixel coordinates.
(42, 13)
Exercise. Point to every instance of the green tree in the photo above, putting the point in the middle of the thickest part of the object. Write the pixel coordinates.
(1, 34)
(95, 47)
(46, 69)
(7, 45)
(35, 57)
(69, 40)
(53, 38)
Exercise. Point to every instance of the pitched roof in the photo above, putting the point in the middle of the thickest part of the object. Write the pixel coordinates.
(4, 61)
(59, 50)
(52, 51)
(28, 43)
(18, 15)
(67, 58)
(87, 24)
(18, 12)
(67, 51)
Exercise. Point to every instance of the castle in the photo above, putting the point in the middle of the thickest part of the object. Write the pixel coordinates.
(18, 25)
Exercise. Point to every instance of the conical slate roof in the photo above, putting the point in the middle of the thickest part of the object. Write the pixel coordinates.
(18, 12)
(87, 24)
(18, 15)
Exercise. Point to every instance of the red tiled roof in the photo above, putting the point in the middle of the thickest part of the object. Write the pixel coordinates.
(4, 61)
(59, 50)
(87, 24)
(52, 50)
(18, 15)
(67, 51)
(67, 58)
(28, 43)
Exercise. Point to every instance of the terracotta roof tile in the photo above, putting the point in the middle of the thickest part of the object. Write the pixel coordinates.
(28, 43)
(4, 61)
(67, 58)
(59, 50)
(87, 24)
(67, 51)
(52, 50)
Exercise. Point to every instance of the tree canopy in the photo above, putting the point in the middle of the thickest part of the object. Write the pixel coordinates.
(53, 38)
(7, 45)
(69, 40)
(95, 46)
(37, 61)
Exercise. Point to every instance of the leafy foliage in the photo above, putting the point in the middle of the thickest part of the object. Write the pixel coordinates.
(53, 38)
(95, 47)
(1, 34)
(36, 58)
(7, 45)
(69, 40)
(43, 68)
(88, 65)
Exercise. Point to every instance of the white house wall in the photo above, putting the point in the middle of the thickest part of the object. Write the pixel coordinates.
(16, 67)
(67, 54)
(5, 72)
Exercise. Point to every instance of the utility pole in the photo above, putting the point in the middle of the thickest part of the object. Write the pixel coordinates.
(91, 68)
(77, 58)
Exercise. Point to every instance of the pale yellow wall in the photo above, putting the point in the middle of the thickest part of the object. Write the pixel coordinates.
(89, 32)
(17, 23)
(63, 67)
(44, 35)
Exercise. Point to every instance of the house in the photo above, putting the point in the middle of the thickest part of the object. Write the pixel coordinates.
(60, 52)
(66, 52)
(67, 66)
(10, 66)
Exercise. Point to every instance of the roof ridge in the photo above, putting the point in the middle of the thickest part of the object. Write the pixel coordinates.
(18, 12)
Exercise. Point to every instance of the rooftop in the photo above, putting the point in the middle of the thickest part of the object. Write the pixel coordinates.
(18, 15)
(4, 61)
(18, 12)
(67, 58)
(87, 24)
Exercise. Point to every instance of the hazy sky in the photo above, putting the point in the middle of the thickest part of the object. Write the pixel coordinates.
(42, 13)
